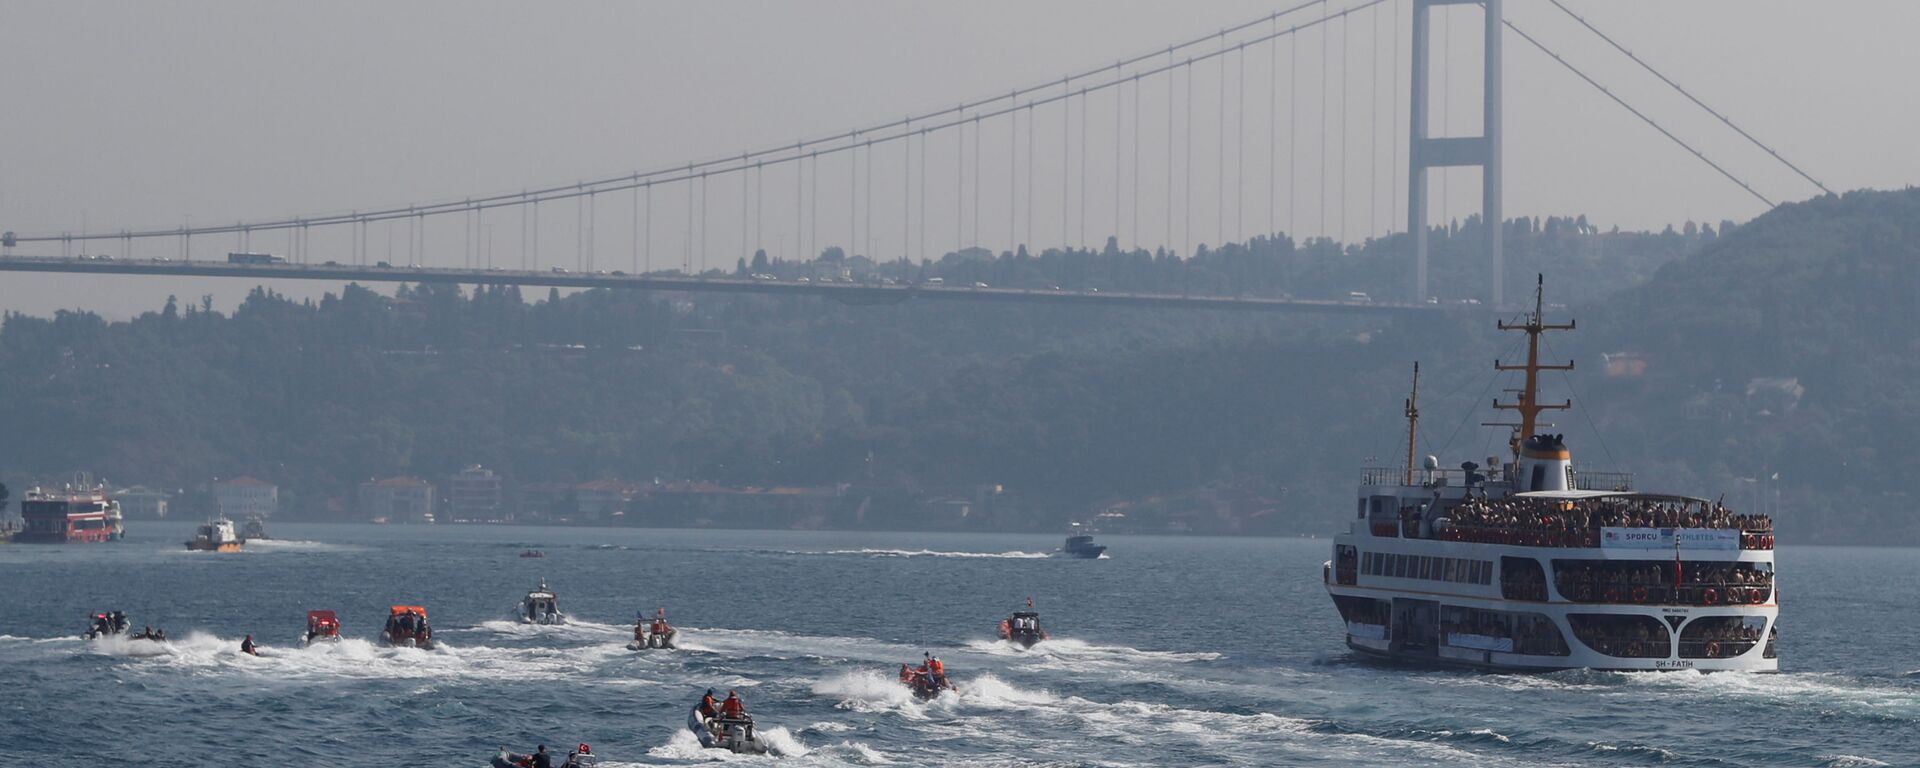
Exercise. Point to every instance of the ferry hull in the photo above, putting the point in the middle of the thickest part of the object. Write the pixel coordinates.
(1579, 656)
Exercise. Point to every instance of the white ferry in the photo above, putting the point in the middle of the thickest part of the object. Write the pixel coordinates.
(1530, 565)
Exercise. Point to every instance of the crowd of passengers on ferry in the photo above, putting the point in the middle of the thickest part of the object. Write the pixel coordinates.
(1577, 522)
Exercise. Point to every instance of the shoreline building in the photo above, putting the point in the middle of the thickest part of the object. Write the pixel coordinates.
(397, 500)
(474, 495)
(243, 497)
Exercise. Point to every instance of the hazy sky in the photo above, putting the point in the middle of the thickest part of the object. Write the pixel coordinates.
(151, 115)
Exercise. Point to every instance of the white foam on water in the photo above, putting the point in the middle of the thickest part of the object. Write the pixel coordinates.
(685, 746)
(1081, 652)
(292, 545)
(871, 692)
(1850, 761)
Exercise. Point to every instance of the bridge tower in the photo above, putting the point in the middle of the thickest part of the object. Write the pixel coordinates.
(1425, 151)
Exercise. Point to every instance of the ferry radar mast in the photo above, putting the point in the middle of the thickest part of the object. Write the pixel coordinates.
(1528, 403)
(1413, 421)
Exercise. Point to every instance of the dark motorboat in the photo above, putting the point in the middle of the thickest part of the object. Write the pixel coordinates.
(657, 634)
(1081, 546)
(927, 680)
(1023, 627)
(105, 624)
(322, 627)
(407, 628)
(541, 606)
(254, 530)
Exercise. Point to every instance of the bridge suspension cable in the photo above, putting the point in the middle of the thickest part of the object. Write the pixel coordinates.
(783, 153)
(1690, 97)
(1637, 113)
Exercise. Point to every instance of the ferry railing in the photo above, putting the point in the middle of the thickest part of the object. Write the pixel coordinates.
(1701, 593)
(1431, 478)
(1585, 480)
(1716, 649)
(1564, 537)
(1625, 647)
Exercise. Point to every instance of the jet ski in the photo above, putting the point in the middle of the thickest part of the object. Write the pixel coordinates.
(322, 627)
(407, 628)
(1023, 627)
(541, 606)
(731, 734)
(106, 623)
(926, 681)
(656, 634)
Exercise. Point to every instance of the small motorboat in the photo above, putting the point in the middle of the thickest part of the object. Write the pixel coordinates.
(656, 634)
(1023, 627)
(926, 681)
(541, 606)
(1081, 546)
(734, 734)
(149, 633)
(322, 627)
(532, 553)
(407, 627)
(215, 535)
(254, 530)
(581, 757)
(106, 624)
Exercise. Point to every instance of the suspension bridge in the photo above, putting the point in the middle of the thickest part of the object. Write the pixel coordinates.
(1319, 122)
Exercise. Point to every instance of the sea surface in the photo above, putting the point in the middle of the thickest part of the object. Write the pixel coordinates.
(1170, 652)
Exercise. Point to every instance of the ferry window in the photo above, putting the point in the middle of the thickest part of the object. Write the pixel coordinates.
(1453, 569)
(1426, 567)
(1400, 566)
(1361, 511)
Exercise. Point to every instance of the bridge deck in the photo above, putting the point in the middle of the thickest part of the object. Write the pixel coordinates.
(851, 293)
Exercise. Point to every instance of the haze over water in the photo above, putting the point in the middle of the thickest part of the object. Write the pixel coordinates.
(1175, 651)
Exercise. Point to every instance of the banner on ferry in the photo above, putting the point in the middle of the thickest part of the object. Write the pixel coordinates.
(1697, 539)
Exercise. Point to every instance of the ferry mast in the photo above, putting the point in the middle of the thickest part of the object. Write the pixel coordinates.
(1528, 404)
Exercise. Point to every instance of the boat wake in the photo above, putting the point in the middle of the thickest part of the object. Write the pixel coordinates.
(1011, 555)
(1082, 652)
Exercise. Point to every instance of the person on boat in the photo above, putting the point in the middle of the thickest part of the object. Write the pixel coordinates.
(936, 672)
(541, 759)
(733, 708)
(709, 709)
(660, 625)
(247, 646)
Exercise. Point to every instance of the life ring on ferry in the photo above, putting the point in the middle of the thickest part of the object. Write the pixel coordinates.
(1710, 597)
(1634, 649)
(1639, 594)
(1713, 650)
(1754, 595)
(1612, 594)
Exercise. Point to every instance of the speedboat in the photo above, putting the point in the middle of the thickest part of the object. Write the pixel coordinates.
(728, 733)
(1023, 627)
(1081, 546)
(926, 681)
(407, 628)
(541, 607)
(106, 623)
(322, 627)
(215, 535)
(657, 634)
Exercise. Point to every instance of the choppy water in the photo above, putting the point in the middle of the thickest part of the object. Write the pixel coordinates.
(1175, 651)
